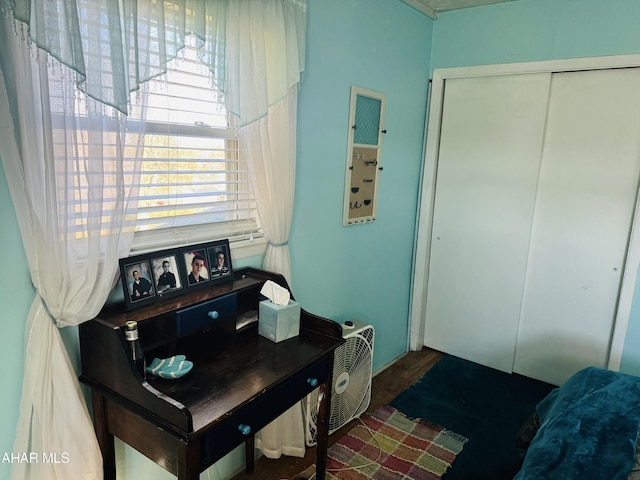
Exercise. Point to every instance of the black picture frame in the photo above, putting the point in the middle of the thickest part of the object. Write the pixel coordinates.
(221, 268)
(137, 281)
(195, 264)
(199, 264)
(167, 273)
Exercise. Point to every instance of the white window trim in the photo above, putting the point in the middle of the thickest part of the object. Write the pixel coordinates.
(242, 246)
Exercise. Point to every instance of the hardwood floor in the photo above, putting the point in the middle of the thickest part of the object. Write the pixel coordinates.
(386, 385)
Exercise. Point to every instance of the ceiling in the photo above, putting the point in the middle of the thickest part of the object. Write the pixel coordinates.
(432, 8)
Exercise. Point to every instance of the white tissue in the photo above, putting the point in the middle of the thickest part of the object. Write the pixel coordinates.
(275, 293)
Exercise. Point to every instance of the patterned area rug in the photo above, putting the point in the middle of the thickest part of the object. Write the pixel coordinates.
(395, 447)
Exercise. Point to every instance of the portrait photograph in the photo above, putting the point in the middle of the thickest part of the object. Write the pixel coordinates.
(220, 262)
(196, 266)
(166, 274)
(137, 277)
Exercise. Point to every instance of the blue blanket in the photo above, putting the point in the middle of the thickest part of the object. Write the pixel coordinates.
(588, 430)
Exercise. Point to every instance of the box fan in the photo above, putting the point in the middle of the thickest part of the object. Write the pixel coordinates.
(351, 389)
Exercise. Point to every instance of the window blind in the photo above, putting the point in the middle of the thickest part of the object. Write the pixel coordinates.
(194, 182)
(193, 172)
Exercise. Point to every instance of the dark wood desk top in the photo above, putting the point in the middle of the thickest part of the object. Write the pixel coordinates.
(231, 368)
(227, 381)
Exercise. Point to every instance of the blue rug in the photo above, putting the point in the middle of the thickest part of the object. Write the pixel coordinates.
(484, 405)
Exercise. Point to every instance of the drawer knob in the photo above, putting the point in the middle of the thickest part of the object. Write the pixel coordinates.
(312, 381)
(213, 314)
(245, 429)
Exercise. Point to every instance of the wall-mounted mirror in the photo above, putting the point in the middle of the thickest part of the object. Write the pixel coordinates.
(364, 156)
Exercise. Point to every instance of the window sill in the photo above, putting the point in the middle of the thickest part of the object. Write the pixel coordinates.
(248, 248)
(242, 246)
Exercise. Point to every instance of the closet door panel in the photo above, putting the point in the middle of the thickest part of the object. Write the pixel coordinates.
(490, 146)
(584, 209)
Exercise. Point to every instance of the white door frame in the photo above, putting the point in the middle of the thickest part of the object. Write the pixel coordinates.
(426, 205)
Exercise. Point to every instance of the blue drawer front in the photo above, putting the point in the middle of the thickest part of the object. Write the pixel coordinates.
(229, 434)
(205, 314)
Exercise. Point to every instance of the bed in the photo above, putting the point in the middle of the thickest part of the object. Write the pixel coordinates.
(585, 429)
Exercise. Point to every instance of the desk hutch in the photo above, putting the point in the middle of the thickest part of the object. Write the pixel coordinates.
(240, 381)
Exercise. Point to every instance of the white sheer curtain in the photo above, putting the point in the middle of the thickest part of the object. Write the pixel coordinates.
(74, 193)
(267, 38)
(107, 49)
(271, 145)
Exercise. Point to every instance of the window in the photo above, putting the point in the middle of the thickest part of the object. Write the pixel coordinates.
(194, 182)
(193, 176)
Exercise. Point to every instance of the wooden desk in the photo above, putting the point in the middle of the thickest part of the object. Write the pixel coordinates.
(240, 381)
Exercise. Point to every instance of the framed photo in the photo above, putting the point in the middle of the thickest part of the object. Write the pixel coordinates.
(220, 260)
(137, 281)
(166, 274)
(155, 276)
(196, 265)
(207, 263)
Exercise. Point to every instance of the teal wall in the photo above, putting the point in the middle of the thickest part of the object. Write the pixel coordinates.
(340, 272)
(364, 271)
(361, 271)
(16, 295)
(532, 30)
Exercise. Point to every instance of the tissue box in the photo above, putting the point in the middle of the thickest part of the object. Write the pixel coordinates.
(278, 322)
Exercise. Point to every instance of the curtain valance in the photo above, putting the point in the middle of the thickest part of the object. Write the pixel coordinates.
(254, 48)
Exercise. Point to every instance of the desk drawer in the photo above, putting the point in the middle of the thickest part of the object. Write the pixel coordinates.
(266, 408)
(206, 314)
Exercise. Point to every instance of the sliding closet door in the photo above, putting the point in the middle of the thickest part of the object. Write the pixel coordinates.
(583, 214)
(490, 146)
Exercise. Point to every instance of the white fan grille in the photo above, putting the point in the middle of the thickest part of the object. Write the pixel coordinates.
(351, 389)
